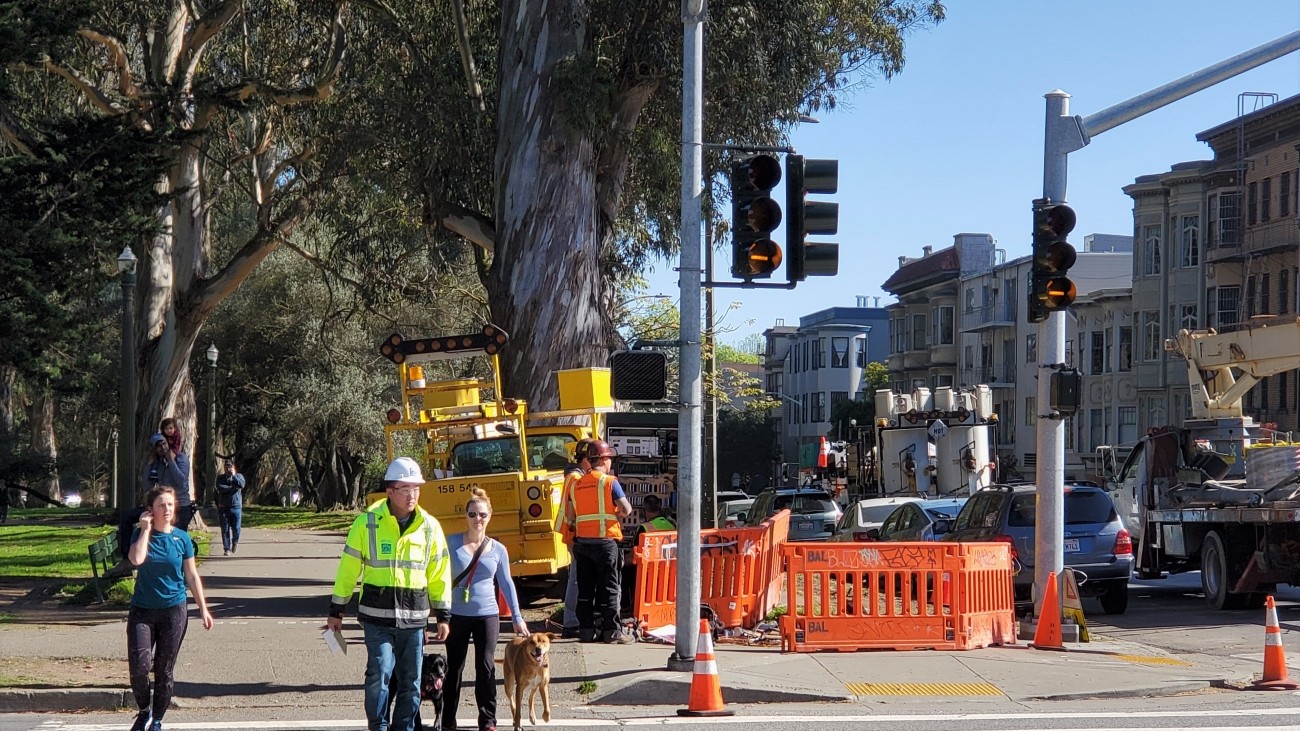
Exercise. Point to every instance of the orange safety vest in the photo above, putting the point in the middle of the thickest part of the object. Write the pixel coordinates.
(594, 508)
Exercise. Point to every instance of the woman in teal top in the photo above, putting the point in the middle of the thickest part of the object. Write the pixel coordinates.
(164, 559)
(474, 612)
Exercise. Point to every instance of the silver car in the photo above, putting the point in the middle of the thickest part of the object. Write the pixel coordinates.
(812, 512)
(866, 516)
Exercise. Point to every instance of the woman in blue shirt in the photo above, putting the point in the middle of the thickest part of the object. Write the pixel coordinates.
(479, 565)
(164, 559)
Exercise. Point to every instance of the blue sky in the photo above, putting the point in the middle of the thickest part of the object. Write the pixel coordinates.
(954, 143)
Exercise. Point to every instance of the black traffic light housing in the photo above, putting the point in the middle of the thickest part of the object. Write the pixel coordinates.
(754, 216)
(1050, 290)
(810, 218)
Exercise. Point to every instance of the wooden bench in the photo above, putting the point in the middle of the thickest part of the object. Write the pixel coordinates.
(104, 555)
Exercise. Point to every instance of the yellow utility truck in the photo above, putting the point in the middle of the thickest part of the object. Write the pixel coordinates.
(468, 435)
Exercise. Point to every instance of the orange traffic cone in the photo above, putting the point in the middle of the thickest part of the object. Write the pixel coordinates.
(706, 689)
(1274, 657)
(1047, 636)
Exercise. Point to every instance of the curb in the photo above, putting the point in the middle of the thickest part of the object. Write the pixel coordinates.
(1190, 686)
(63, 700)
(645, 689)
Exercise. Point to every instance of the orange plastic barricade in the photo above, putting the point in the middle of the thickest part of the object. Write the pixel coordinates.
(899, 596)
(739, 571)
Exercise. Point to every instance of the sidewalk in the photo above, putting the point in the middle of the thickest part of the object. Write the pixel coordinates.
(269, 602)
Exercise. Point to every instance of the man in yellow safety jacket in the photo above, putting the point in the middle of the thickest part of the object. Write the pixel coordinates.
(399, 553)
(592, 508)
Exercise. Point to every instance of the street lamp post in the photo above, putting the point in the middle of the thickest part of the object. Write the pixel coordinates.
(211, 451)
(125, 491)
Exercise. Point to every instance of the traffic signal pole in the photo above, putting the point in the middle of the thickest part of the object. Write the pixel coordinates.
(1064, 134)
(688, 423)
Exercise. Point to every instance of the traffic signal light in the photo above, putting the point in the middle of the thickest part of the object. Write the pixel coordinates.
(754, 216)
(638, 375)
(806, 218)
(1050, 290)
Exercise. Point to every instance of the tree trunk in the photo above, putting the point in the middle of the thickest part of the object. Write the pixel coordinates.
(40, 417)
(545, 283)
(8, 376)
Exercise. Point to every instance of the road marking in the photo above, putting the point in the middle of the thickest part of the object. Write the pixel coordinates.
(923, 689)
(874, 719)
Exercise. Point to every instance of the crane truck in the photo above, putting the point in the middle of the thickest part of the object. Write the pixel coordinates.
(1219, 494)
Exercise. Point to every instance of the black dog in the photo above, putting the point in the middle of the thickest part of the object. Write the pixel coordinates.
(433, 673)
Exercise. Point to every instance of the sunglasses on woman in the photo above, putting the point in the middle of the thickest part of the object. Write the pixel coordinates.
(473, 514)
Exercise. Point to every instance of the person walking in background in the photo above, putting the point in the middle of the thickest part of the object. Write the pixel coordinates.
(399, 553)
(591, 514)
(170, 468)
(572, 473)
(481, 565)
(155, 626)
(230, 506)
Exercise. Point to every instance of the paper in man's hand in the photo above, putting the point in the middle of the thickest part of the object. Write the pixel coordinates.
(334, 640)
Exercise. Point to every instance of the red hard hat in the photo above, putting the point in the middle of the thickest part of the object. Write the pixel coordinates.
(600, 448)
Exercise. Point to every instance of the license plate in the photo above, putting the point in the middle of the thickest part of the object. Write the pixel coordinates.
(1071, 545)
(805, 526)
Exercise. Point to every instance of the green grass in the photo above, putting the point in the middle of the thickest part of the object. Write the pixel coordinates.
(51, 512)
(587, 687)
(48, 551)
(258, 516)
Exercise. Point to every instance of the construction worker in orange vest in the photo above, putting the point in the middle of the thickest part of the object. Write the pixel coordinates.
(592, 508)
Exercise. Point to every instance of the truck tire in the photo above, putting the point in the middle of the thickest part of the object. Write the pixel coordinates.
(1114, 600)
(1218, 574)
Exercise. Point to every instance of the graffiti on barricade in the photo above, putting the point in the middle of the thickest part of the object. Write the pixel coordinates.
(901, 556)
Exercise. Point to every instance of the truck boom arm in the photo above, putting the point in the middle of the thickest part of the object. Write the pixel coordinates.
(1258, 351)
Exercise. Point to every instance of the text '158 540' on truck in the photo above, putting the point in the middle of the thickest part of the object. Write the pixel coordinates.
(1220, 493)
(469, 436)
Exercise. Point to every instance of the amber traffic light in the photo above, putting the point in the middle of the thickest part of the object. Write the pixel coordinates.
(1050, 289)
(754, 216)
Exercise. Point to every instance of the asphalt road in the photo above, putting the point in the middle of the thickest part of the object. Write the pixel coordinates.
(1172, 614)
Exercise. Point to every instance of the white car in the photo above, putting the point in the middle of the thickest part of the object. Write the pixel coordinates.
(866, 515)
(72, 500)
(731, 513)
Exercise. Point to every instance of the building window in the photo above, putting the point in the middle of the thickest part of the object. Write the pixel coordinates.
(1151, 344)
(807, 351)
(836, 398)
(944, 328)
(919, 326)
(1031, 348)
(898, 335)
(1126, 349)
(1263, 294)
(1096, 428)
(1250, 297)
(820, 354)
(1155, 410)
(1281, 392)
(1150, 251)
(970, 299)
(862, 352)
(942, 381)
(1265, 200)
(1190, 243)
(1283, 296)
(1225, 219)
(1252, 203)
(1188, 319)
(1284, 195)
(1098, 359)
(818, 407)
(1031, 410)
(1228, 311)
(839, 352)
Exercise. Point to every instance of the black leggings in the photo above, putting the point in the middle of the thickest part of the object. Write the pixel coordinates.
(484, 631)
(153, 639)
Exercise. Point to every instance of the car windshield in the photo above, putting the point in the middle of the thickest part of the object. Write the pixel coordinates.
(486, 456)
(1082, 507)
(946, 512)
(804, 504)
(876, 513)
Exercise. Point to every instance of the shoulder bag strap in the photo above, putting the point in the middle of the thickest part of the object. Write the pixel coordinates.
(473, 564)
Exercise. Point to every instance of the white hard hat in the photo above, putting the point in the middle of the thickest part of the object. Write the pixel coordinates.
(405, 470)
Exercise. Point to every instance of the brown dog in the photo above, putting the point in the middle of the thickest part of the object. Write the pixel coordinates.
(527, 668)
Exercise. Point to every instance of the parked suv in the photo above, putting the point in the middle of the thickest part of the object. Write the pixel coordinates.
(1095, 541)
(812, 512)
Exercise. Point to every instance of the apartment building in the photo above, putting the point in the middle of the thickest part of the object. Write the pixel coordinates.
(1218, 243)
(812, 367)
(1106, 337)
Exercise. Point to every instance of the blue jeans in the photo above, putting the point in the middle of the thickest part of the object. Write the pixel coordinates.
(393, 658)
(230, 519)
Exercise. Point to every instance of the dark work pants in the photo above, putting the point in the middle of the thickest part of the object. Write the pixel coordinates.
(484, 632)
(598, 583)
(153, 640)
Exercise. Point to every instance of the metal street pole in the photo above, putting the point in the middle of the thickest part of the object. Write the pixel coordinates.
(1065, 134)
(126, 474)
(210, 454)
(688, 424)
(709, 475)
